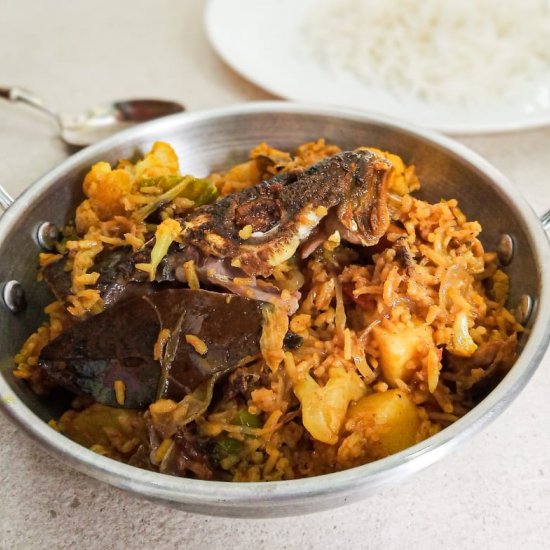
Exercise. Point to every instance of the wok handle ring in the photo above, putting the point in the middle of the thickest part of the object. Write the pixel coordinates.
(6, 200)
(545, 220)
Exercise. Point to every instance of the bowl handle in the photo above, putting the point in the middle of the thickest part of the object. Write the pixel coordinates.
(6, 200)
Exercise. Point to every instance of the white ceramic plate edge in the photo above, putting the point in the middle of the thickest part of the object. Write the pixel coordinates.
(214, 22)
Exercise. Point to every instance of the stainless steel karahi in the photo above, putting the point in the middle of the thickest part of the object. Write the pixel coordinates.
(212, 140)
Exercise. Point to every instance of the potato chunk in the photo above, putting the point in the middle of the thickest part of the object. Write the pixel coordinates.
(389, 422)
(399, 347)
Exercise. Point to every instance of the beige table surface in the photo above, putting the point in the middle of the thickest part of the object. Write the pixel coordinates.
(492, 493)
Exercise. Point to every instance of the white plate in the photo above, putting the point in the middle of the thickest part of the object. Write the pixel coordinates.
(261, 40)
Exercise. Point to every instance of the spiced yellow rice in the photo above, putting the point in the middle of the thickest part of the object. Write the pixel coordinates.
(389, 343)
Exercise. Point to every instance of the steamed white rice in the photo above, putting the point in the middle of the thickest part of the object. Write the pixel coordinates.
(453, 52)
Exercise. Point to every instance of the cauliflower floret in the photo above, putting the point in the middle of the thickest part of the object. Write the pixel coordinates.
(106, 189)
(324, 407)
(160, 161)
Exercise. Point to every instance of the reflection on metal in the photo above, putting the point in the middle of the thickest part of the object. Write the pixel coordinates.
(47, 235)
(505, 249)
(524, 309)
(6, 200)
(13, 297)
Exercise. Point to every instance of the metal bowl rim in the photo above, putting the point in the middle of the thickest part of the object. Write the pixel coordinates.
(216, 493)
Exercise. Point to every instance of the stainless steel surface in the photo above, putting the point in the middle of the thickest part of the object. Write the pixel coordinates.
(6, 200)
(505, 249)
(99, 122)
(545, 220)
(213, 140)
(47, 235)
(524, 309)
(13, 297)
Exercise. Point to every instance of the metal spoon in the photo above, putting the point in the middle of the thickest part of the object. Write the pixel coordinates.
(99, 122)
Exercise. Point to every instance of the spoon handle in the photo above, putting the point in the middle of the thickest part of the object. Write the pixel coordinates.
(14, 94)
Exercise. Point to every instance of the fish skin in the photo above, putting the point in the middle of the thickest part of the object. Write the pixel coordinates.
(284, 210)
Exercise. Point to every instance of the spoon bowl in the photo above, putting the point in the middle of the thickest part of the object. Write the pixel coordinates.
(99, 122)
(104, 120)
